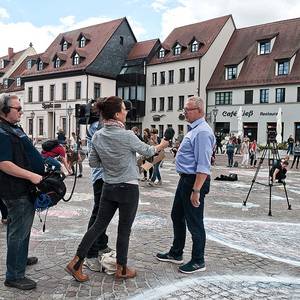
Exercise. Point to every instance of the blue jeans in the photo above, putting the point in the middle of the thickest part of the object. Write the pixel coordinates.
(184, 213)
(290, 149)
(52, 162)
(20, 215)
(156, 172)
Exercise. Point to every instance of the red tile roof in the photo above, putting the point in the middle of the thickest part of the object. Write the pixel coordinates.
(142, 49)
(204, 32)
(257, 69)
(15, 57)
(98, 36)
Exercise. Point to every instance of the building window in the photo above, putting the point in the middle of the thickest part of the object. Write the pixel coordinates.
(5, 82)
(76, 59)
(177, 49)
(30, 126)
(52, 92)
(29, 64)
(191, 73)
(82, 42)
(57, 63)
(41, 93)
(171, 76)
(231, 72)
(30, 94)
(162, 77)
(18, 81)
(41, 127)
(64, 91)
(180, 129)
(181, 103)
(181, 75)
(97, 90)
(283, 67)
(298, 94)
(161, 53)
(153, 108)
(223, 98)
(249, 97)
(2, 62)
(195, 46)
(161, 104)
(170, 103)
(264, 47)
(64, 46)
(121, 40)
(154, 78)
(264, 96)
(160, 131)
(40, 66)
(280, 95)
(78, 90)
(64, 124)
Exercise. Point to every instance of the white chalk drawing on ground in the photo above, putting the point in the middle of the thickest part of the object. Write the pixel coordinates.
(278, 241)
(149, 221)
(236, 284)
(238, 205)
(157, 194)
(78, 197)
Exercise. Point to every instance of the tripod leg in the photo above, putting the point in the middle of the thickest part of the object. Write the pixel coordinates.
(287, 198)
(270, 200)
(245, 201)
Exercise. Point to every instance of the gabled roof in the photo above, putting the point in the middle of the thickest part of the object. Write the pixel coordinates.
(98, 36)
(142, 49)
(204, 32)
(11, 61)
(260, 69)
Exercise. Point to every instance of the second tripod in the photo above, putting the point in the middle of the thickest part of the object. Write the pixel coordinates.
(272, 154)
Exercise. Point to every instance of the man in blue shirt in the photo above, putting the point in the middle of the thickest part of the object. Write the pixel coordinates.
(21, 166)
(193, 163)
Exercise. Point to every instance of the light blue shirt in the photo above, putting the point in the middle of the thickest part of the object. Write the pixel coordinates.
(96, 173)
(195, 151)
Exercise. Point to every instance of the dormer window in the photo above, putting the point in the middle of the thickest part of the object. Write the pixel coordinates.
(2, 64)
(195, 46)
(82, 42)
(57, 63)
(231, 72)
(5, 82)
(40, 65)
(18, 81)
(161, 53)
(283, 67)
(76, 59)
(177, 50)
(265, 47)
(29, 64)
(64, 46)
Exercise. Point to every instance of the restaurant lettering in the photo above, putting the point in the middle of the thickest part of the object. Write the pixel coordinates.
(233, 113)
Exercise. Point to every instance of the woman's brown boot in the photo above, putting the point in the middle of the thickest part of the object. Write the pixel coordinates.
(125, 272)
(75, 269)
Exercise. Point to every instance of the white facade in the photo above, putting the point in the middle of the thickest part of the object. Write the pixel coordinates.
(258, 116)
(49, 116)
(203, 69)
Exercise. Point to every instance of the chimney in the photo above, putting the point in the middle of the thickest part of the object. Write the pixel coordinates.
(10, 53)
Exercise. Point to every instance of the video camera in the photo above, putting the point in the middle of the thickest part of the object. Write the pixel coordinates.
(88, 114)
(271, 136)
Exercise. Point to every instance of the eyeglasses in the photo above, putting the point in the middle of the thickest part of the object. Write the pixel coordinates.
(185, 110)
(16, 108)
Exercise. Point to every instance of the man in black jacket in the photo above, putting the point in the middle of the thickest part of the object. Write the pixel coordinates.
(21, 166)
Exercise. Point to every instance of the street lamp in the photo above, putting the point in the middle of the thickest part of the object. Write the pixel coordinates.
(69, 113)
(32, 115)
(215, 112)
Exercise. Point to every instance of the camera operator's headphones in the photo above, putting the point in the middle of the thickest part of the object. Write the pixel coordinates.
(6, 108)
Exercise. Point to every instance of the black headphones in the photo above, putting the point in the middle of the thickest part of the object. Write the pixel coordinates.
(6, 108)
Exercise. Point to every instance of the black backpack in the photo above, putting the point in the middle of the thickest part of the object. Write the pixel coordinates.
(49, 145)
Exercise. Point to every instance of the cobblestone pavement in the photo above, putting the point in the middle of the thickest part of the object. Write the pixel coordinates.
(249, 255)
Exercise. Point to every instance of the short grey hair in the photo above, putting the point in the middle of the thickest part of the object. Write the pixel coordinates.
(3, 98)
(198, 102)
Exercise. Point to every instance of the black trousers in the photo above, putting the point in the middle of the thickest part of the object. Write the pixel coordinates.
(122, 196)
(101, 242)
(296, 158)
(3, 209)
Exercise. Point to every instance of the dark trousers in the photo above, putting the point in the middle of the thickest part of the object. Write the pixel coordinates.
(122, 196)
(101, 242)
(296, 158)
(230, 158)
(185, 214)
(3, 210)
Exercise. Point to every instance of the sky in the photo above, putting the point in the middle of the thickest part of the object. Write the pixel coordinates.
(39, 22)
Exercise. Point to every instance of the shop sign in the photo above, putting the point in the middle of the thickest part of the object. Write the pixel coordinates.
(233, 113)
(50, 105)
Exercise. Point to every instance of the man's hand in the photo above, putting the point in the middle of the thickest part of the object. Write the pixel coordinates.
(195, 199)
(35, 178)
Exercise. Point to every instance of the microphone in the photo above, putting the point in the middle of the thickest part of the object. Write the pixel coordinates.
(169, 134)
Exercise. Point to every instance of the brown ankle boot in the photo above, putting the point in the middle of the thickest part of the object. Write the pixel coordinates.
(125, 272)
(75, 269)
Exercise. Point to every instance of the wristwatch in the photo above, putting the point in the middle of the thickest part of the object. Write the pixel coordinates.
(196, 191)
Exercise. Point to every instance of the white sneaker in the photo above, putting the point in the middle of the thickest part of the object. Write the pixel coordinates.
(93, 264)
(106, 250)
(159, 182)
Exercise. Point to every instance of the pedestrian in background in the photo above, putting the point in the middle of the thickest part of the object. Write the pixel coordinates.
(296, 152)
(290, 142)
(230, 152)
(245, 153)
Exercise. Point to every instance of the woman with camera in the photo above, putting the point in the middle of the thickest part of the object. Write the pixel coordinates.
(114, 149)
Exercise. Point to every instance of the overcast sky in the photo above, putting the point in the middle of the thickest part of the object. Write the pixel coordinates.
(39, 22)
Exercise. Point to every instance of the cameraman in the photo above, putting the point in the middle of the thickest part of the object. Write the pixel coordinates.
(21, 166)
(278, 171)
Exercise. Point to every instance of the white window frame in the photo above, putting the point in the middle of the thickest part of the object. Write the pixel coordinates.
(76, 59)
(57, 63)
(195, 46)
(161, 53)
(177, 50)
(265, 47)
(231, 73)
(29, 64)
(18, 81)
(82, 42)
(65, 46)
(40, 65)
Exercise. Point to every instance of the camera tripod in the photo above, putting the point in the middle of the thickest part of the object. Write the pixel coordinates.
(271, 151)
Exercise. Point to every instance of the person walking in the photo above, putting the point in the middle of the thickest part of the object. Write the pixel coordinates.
(252, 153)
(245, 152)
(111, 144)
(296, 152)
(193, 163)
(230, 152)
(290, 142)
(21, 167)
